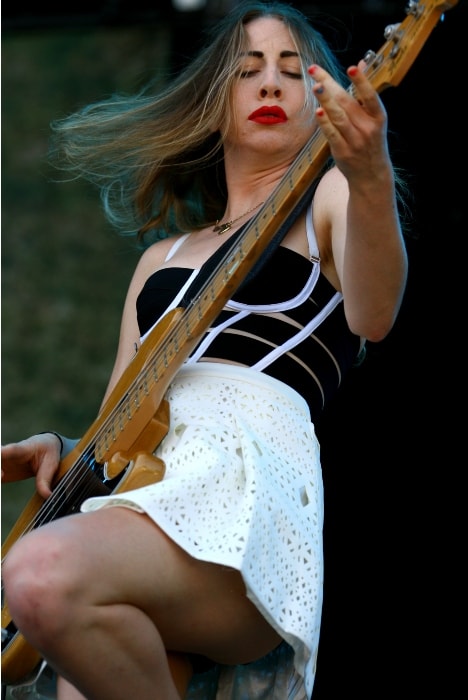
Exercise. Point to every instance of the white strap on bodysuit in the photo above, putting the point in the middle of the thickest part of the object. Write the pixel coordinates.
(310, 327)
(246, 309)
(175, 302)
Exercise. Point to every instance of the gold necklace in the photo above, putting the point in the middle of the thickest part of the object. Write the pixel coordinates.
(222, 228)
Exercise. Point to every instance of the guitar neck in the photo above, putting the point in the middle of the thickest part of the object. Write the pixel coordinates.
(141, 388)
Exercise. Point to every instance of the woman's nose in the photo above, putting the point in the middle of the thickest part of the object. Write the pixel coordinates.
(270, 91)
(270, 86)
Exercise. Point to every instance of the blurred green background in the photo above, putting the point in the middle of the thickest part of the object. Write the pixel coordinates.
(64, 270)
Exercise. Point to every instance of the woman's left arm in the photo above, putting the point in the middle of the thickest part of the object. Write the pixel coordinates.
(359, 197)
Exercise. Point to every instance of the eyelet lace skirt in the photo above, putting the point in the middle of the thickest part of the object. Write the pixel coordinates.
(243, 488)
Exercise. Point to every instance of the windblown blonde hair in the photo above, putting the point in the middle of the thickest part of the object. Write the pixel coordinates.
(157, 159)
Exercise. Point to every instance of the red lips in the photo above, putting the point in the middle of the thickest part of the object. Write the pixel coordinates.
(268, 115)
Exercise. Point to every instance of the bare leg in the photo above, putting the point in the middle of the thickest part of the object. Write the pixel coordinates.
(181, 670)
(103, 595)
(66, 691)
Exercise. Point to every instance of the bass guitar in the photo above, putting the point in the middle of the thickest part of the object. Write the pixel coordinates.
(116, 452)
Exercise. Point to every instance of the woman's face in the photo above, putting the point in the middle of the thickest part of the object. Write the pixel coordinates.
(268, 99)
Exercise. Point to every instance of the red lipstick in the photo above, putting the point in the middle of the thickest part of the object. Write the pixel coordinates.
(268, 115)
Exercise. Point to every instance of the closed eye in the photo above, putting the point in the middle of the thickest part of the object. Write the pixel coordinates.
(254, 61)
(289, 74)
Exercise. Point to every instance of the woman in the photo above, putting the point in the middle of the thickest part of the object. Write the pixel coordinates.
(220, 563)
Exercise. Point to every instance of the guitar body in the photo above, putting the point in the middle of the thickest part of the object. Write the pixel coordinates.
(20, 661)
(116, 453)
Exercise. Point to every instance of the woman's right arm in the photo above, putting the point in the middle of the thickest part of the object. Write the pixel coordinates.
(39, 455)
(129, 338)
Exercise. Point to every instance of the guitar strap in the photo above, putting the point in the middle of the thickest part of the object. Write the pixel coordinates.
(282, 231)
(216, 259)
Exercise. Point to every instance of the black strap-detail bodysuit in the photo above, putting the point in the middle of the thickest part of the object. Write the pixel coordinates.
(288, 322)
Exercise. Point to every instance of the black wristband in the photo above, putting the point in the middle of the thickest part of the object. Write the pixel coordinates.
(52, 432)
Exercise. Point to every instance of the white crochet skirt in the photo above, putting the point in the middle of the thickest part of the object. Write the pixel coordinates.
(243, 488)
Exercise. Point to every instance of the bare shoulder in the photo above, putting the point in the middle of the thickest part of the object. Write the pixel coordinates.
(330, 200)
(332, 188)
(330, 213)
(154, 256)
(157, 252)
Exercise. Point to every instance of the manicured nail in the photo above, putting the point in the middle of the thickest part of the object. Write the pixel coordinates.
(312, 69)
(352, 71)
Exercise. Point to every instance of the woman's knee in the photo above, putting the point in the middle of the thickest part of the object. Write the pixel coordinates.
(35, 578)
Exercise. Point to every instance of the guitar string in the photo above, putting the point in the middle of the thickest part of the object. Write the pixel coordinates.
(54, 504)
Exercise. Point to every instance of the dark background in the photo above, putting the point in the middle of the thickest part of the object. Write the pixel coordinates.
(387, 441)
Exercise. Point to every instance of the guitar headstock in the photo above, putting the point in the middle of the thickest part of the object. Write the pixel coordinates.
(403, 42)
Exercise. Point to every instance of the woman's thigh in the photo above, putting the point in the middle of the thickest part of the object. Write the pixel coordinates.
(118, 556)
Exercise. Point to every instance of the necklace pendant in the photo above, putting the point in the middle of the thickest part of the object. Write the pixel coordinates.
(222, 228)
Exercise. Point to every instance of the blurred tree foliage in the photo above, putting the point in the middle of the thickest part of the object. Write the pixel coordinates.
(64, 270)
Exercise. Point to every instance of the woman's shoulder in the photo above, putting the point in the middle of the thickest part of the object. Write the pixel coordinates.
(158, 252)
(153, 258)
(332, 184)
(330, 199)
(329, 214)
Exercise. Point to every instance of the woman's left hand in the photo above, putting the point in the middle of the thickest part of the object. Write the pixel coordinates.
(354, 122)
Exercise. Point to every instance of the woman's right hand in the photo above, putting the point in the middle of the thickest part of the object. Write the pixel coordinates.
(38, 455)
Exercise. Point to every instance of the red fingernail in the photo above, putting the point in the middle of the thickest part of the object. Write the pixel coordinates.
(312, 69)
(352, 71)
(320, 112)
